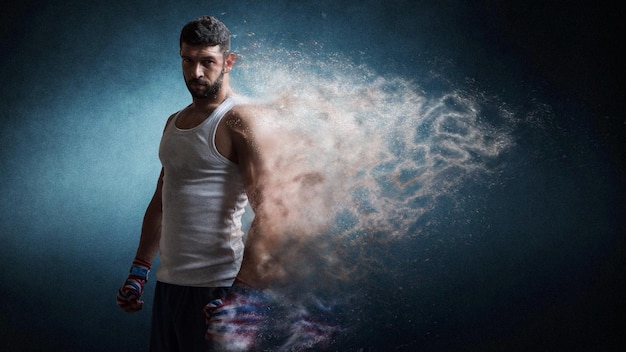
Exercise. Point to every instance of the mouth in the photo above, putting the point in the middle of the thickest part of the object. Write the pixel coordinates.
(197, 83)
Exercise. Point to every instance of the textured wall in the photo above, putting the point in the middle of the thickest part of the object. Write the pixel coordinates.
(492, 220)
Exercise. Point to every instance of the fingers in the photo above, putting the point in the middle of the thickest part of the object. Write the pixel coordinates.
(128, 296)
(210, 308)
(129, 305)
(133, 306)
(235, 322)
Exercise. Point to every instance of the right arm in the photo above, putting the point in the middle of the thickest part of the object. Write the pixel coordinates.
(151, 227)
(129, 295)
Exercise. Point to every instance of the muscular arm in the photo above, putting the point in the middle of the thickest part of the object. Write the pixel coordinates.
(151, 227)
(261, 265)
(129, 295)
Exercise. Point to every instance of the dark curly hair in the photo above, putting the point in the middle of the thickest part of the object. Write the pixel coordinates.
(206, 30)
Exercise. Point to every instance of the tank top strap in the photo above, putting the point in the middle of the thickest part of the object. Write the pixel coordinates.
(210, 127)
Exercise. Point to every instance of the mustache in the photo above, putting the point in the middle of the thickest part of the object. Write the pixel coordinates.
(198, 81)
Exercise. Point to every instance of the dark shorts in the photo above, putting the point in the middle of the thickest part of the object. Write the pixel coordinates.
(178, 322)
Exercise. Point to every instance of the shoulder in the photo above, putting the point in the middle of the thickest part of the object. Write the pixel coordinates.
(177, 113)
(247, 116)
(169, 120)
(249, 111)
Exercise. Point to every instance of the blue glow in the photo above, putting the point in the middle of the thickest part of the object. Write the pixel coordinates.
(486, 189)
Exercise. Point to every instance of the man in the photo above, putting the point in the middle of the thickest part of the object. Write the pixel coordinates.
(212, 167)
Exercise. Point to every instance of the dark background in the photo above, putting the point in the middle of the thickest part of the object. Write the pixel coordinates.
(86, 88)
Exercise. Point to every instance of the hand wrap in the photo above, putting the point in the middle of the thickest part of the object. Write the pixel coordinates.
(128, 296)
(234, 322)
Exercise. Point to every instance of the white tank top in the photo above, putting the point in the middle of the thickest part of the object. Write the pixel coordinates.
(203, 202)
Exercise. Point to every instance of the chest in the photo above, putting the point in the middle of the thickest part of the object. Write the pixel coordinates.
(187, 120)
(202, 132)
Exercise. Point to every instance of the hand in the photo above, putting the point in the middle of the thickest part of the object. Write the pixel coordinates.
(129, 295)
(234, 322)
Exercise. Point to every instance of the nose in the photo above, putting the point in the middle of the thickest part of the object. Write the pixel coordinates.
(197, 71)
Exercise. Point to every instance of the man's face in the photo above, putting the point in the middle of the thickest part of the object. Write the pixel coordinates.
(203, 69)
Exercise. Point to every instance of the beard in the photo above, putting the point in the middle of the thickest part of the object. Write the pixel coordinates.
(206, 89)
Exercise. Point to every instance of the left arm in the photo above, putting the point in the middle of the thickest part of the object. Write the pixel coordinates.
(261, 265)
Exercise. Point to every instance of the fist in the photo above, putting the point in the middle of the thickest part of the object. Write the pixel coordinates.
(129, 295)
(233, 323)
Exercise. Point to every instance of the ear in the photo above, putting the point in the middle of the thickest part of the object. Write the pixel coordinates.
(229, 62)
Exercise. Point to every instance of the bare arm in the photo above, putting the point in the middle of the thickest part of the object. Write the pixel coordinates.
(129, 295)
(261, 266)
(151, 227)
